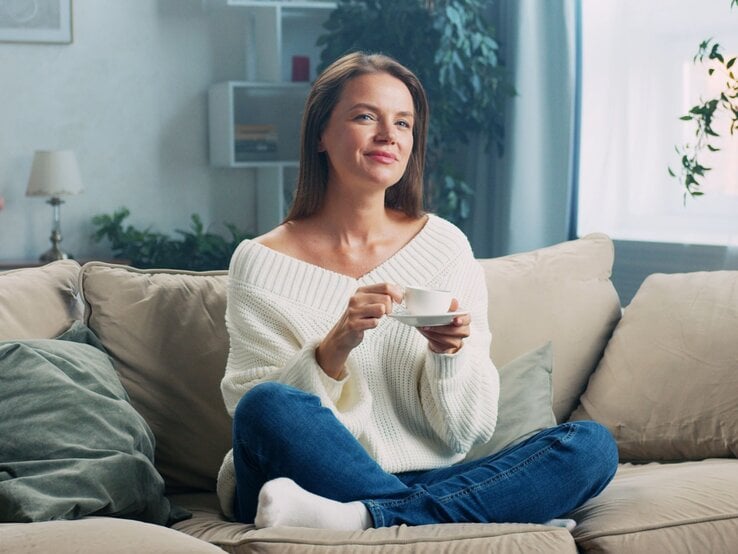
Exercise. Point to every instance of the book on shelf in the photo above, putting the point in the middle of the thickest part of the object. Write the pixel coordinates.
(244, 146)
(253, 140)
(255, 132)
(258, 128)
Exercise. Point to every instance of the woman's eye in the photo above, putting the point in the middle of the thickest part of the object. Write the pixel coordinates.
(403, 123)
(364, 117)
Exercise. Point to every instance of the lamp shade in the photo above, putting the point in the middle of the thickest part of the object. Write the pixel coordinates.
(54, 173)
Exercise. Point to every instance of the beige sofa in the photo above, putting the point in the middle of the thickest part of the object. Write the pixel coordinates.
(662, 374)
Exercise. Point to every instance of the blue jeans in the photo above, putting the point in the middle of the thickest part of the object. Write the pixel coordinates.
(280, 431)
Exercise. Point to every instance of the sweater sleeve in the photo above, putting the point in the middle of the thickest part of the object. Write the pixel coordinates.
(264, 347)
(460, 392)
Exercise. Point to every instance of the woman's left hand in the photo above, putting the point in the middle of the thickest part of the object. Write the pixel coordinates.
(448, 339)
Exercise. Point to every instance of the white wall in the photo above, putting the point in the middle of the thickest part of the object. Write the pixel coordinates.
(129, 95)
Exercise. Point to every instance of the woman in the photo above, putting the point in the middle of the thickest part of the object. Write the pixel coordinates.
(345, 418)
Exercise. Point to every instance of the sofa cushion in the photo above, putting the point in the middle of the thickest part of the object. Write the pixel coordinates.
(524, 407)
(40, 302)
(653, 508)
(667, 386)
(72, 445)
(208, 524)
(98, 535)
(562, 293)
(165, 331)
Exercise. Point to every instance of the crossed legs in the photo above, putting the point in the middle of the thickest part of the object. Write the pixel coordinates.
(300, 466)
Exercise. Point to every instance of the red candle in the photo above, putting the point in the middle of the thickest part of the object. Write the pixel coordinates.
(300, 68)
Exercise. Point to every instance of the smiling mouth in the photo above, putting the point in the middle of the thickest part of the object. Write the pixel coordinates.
(385, 157)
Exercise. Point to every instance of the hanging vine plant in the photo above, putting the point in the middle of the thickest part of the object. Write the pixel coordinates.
(691, 171)
(452, 49)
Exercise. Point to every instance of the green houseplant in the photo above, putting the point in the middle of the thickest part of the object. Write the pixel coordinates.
(703, 116)
(450, 46)
(195, 250)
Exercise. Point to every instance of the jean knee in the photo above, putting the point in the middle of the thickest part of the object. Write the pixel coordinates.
(257, 402)
(600, 448)
(265, 405)
(602, 440)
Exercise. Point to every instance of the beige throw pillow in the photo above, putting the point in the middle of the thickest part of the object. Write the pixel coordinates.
(165, 331)
(667, 386)
(39, 302)
(561, 294)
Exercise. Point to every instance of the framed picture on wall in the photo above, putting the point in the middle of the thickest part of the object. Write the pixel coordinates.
(39, 21)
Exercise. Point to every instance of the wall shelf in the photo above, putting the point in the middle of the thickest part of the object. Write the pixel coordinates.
(255, 123)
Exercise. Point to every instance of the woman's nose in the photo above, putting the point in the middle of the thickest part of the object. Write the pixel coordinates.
(386, 133)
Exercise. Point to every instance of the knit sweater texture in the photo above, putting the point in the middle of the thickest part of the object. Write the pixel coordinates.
(409, 407)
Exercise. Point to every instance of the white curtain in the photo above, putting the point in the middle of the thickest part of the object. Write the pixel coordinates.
(523, 200)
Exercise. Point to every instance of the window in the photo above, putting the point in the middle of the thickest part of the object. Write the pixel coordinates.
(638, 78)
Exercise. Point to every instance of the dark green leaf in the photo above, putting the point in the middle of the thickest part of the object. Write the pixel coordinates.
(197, 250)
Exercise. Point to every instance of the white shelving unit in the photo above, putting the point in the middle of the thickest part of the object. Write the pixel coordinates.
(274, 32)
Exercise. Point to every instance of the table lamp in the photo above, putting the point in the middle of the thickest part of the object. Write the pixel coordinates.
(54, 173)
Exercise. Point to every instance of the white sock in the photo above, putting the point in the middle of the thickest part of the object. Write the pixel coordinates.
(569, 524)
(283, 503)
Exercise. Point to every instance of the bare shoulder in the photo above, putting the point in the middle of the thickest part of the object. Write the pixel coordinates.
(285, 238)
(272, 238)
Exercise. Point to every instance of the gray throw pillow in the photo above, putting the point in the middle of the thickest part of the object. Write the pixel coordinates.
(72, 446)
(526, 399)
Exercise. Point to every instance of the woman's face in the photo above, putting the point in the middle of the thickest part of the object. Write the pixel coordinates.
(369, 136)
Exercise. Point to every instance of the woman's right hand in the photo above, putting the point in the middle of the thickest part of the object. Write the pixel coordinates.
(365, 308)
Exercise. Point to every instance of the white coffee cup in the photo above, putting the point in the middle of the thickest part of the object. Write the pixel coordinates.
(425, 301)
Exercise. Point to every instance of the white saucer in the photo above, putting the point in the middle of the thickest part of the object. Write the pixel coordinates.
(435, 320)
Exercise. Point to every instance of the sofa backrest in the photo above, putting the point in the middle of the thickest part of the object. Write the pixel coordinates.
(561, 294)
(39, 302)
(166, 333)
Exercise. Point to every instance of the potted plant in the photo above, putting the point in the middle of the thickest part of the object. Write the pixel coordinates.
(450, 46)
(196, 250)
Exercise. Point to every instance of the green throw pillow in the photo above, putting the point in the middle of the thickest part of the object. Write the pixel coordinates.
(526, 399)
(71, 444)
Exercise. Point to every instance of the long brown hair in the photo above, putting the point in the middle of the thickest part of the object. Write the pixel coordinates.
(407, 194)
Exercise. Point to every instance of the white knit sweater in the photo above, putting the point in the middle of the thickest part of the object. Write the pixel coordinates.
(408, 406)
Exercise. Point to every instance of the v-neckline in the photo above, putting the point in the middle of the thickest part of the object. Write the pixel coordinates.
(366, 277)
(419, 262)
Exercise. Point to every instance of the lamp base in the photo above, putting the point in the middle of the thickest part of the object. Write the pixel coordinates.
(54, 253)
